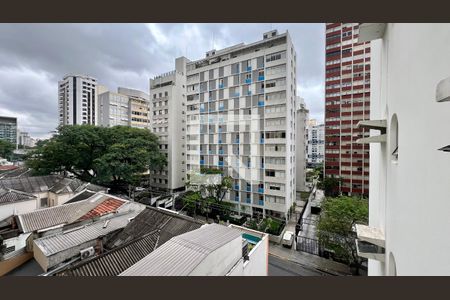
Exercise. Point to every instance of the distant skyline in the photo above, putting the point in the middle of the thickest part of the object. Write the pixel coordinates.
(34, 57)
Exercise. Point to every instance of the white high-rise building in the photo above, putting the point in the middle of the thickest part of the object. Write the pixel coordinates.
(315, 147)
(409, 206)
(300, 145)
(241, 119)
(77, 100)
(168, 121)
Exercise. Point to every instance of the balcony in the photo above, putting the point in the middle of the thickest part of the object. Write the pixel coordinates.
(261, 190)
(220, 152)
(236, 198)
(248, 80)
(219, 141)
(248, 189)
(249, 68)
(236, 141)
(261, 202)
(261, 103)
(248, 200)
(221, 108)
(236, 187)
(261, 141)
(249, 92)
(221, 86)
(220, 164)
(261, 78)
(370, 242)
(202, 162)
(236, 94)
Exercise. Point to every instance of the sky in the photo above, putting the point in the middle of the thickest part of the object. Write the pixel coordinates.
(34, 57)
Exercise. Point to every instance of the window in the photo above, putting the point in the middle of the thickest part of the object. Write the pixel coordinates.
(44, 202)
(394, 138)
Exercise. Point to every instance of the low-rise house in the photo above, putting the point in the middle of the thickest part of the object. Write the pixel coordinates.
(85, 240)
(13, 202)
(51, 190)
(212, 250)
(148, 231)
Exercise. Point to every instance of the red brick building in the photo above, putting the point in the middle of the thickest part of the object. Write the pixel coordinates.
(347, 101)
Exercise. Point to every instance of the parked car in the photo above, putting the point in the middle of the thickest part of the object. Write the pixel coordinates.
(288, 239)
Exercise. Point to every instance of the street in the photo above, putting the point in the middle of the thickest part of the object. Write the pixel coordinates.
(283, 267)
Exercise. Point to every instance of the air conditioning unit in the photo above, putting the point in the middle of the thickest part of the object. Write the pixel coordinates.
(88, 252)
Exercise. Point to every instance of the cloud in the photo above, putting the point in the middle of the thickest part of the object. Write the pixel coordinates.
(33, 57)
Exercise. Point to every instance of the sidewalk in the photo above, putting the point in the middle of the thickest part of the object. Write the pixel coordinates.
(309, 260)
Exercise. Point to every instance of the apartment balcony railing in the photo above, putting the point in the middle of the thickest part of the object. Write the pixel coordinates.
(248, 80)
(261, 190)
(220, 164)
(261, 78)
(248, 200)
(236, 141)
(248, 189)
(236, 94)
(249, 68)
(202, 162)
(221, 152)
(261, 141)
(236, 187)
(236, 198)
(221, 86)
(261, 202)
(261, 103)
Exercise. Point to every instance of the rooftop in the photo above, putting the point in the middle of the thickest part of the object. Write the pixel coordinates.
(53, 244)
(115, 261)
(9, 196)
(65, 214)
(183, 253)
(35, 184)
(169, 224)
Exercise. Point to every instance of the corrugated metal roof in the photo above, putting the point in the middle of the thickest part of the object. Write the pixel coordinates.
(115, 261)
(9, 196)
(35, 184)
(181, 254)
(83, 195)
(53, 244)
(57, 215)
(170, 224)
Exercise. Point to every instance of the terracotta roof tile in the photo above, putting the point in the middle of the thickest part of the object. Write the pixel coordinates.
(108, 206)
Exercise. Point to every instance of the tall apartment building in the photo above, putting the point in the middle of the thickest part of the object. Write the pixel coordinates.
(347, 101)
(8, 129)
(77, 100)
(168, 121)
(24, 139)
(315, 147)
(300, 145)
(126, 107)
(241, 104)
(409, 150)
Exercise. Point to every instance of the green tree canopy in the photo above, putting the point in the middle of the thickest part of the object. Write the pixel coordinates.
(112, 156)
(335, 225)
(6, 149)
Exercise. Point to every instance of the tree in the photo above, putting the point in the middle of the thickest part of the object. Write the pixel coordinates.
(115, 156)
(335, 226)
(6, 149)
(330, 185)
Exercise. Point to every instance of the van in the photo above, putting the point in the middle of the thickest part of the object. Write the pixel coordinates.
(288, 239)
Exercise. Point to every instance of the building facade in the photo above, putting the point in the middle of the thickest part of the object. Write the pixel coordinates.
(300, 145)
(315, 147)
(24, 139)
(168, 122)
(8, 129)
(126, 107)
(241, 104)
(409, 162)
(77, 100)
(347, 101)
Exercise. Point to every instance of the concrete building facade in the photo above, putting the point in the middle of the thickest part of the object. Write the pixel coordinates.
(315, 147)
(77, 100)
(168, 122)
(8, 129)
(300, 145)
(126, 107)
(241, 105)
(347, 101)
(409, 162)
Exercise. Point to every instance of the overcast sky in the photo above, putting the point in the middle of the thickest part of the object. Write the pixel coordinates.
(33, 57)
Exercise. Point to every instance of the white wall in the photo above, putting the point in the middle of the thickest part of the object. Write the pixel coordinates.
(7, 210)
(412, 205)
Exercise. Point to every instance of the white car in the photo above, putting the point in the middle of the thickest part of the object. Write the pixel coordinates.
(288, 239)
